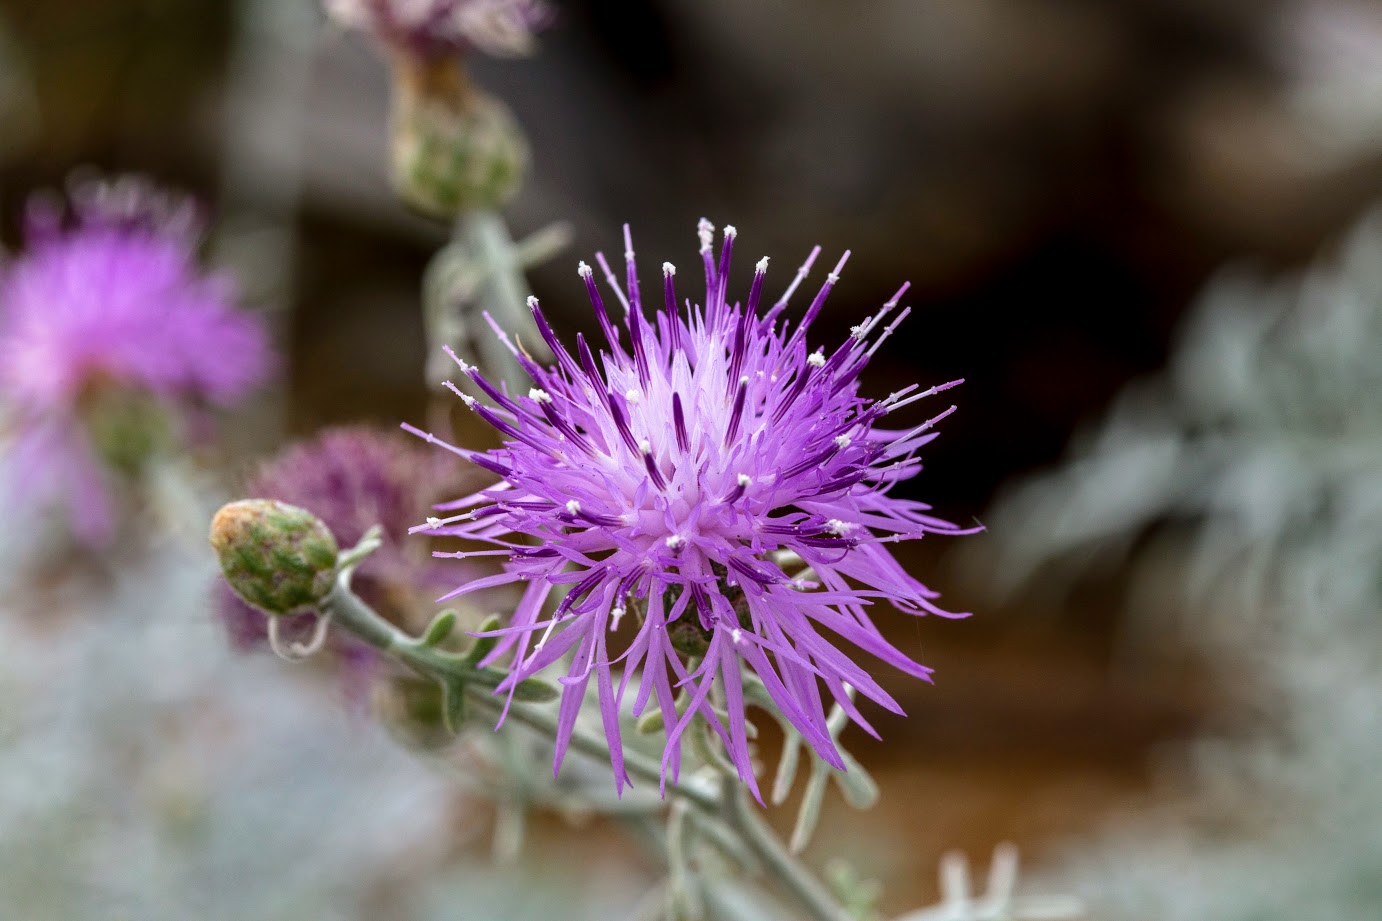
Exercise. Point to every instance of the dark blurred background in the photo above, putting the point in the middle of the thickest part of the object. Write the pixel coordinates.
(1056, 178)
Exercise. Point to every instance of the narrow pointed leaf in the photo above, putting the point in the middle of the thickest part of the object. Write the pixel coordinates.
(483, 645)
(787, 766)
(809, 814)
(858, 786)
(439, 629)
(535, 691)
(650, 722)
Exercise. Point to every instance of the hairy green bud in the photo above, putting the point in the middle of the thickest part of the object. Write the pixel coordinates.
(277, 557)
(454, 148)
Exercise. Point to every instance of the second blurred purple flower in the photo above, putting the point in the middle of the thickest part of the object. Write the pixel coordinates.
(112, 341)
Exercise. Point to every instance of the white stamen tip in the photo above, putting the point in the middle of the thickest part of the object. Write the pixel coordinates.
(706, 231)
(573, 507)
(837, 527)
(736, 635)
(668, 269)
(731, 231)
(745, 479)
(675, 542)
(646, 447)
(540, 395)
(762, 266)
(816, 359)
(842, 441)
(615, 614)
(632, 396)
(832, 278)
(584, 270)
(628, 255)
(433, 522)
(744, 381)
(467, 399)
(532, 300)
(460, 362)
(856, 332)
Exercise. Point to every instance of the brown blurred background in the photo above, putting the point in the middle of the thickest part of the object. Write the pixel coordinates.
(1055, 177)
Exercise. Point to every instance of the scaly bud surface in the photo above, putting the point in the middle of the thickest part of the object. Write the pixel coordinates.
(276, 556)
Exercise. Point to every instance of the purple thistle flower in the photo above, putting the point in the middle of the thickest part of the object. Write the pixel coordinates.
(441, 28)
(671, 482)
(111, 302)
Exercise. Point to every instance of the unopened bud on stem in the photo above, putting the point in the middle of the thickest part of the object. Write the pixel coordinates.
(454, 147)
(276, 556)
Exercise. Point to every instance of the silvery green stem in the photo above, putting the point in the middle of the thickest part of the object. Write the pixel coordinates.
(683, 897)
(349, 612)
(729, 803)
(780, 864)
(481, 271)
(503, 293)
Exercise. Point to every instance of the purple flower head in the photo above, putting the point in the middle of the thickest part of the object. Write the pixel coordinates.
(714, 489)
(108, 305)
(440, 28)
(353, 478)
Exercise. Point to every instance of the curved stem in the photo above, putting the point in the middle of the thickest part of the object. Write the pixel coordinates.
(296, 652)
(481, 271)
(596, 747)
(730, 804)
(780, 864)
(503, 294)
(354, 615)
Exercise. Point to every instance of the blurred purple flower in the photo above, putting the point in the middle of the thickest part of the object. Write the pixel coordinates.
(353, 478)
(110, 304)
(432, 28)
(665, 483)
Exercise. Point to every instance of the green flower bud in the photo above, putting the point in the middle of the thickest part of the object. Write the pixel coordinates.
(454, 148)
(276, 556)
(127, 427)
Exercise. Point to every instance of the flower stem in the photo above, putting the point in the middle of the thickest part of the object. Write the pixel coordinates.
(348, 611)
(481, 271)
(729, 804)
(779, 863)
(589, 744)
